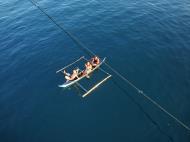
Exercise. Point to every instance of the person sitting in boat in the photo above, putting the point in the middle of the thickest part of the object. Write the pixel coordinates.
(95, 61)
(70, 77)
(88, 66)
(87, 70)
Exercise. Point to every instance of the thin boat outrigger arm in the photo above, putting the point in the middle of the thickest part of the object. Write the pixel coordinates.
(70, 64)
(96, 86)
(81, 87)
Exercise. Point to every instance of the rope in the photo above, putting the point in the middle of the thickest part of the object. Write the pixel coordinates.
(89, 52)
(74, 39)
(142, 110)
(147, 97)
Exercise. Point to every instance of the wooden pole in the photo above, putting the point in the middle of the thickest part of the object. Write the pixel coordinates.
(70, 64)
(98, 84)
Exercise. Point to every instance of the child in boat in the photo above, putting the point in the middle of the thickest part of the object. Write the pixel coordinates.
(70, 77)
(95, 61)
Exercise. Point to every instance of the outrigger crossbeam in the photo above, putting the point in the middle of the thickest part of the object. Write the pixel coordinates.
(81, 87)
(70, 64)
(96, 86)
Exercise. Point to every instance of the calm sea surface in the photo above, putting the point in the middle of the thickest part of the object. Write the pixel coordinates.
(148, 41)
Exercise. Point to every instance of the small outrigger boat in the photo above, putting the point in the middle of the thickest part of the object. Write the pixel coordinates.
(76, 81)
(69, 83)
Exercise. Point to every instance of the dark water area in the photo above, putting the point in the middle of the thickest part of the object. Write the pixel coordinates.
(146, 41)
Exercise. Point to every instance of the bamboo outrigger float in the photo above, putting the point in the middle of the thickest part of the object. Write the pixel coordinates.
(76, 81)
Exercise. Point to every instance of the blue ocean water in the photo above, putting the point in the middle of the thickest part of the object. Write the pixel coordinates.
(146, 41)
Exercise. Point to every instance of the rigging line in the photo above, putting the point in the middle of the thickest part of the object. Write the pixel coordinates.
(148, 98)
(75, 40)
(89, 52)
(142, 109)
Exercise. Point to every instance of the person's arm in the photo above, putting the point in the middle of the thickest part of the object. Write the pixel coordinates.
(65, 73)
(69, 78)
(98, 61)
